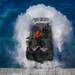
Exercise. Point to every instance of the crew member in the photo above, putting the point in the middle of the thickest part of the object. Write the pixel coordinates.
(37, 34)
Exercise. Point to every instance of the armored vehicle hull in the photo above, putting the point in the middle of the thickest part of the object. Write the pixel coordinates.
(39, 43)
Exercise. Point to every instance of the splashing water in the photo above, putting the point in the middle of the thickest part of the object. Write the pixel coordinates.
(61, 28)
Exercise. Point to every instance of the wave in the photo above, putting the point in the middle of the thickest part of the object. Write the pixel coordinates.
(61, 28)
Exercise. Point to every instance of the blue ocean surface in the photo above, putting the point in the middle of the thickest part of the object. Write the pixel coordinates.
(9, 11)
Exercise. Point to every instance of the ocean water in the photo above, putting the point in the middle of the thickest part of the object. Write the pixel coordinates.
(15, 18)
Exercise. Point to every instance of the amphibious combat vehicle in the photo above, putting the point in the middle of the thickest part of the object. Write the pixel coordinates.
(39, 42)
